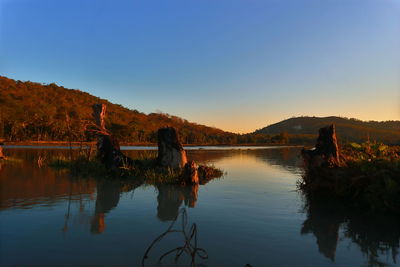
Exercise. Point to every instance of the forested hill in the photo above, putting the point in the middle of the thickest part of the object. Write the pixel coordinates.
(36, 112)
(347, 129)
(32, 111)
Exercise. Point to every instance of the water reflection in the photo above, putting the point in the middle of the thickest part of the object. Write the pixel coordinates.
(285, 157)
(171, 197)
(108, 194)
(374, 234)
(23, 185)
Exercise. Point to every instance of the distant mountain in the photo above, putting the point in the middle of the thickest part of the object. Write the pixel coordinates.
(32, 111)
(348, 130)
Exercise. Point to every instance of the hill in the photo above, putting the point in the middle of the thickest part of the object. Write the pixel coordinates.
(348, 130)
(32, 111)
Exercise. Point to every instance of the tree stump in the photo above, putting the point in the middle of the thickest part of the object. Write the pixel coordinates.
(190, 173)
(108, 150)
(326, 152)
(170, 150)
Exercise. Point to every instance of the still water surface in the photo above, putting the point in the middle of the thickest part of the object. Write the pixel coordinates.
(253, 215)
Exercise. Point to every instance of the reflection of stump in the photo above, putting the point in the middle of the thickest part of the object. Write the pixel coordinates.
(170, 198)
(325, 227)
(191, 193)
(170, 150)
(108, 194)
(326, 230)
(326, 152)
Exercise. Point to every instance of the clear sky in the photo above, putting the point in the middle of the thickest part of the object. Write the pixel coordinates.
(238, 65)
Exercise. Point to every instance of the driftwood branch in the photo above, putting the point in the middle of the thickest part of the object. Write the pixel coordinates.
(189, 245)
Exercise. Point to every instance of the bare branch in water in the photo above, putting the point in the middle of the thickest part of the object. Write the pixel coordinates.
(188, 247)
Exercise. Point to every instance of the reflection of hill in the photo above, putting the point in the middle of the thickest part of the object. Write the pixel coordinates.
(23, 184)
(286, 157)
(27, 184)
(375, 234)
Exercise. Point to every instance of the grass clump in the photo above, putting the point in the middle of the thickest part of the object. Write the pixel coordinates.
(370, 151)
(145, 170)
(369, 178)
(10, 160)
(81, 166)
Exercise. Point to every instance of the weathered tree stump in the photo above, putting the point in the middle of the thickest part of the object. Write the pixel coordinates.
(170, 150)
(108, 149)
(190, 173)
(326, 152)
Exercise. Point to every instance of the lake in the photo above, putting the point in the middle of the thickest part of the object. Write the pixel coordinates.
(252, 215)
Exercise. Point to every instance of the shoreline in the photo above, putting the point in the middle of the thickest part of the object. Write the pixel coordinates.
(124, 144)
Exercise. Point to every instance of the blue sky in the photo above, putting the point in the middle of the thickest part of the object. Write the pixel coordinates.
(235, 65)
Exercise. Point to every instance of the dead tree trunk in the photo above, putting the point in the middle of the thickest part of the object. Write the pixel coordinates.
(108, 150)
(170, 150)
(326, 152)
(99, 114)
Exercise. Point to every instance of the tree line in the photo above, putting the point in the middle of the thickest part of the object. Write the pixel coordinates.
(32, 111)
